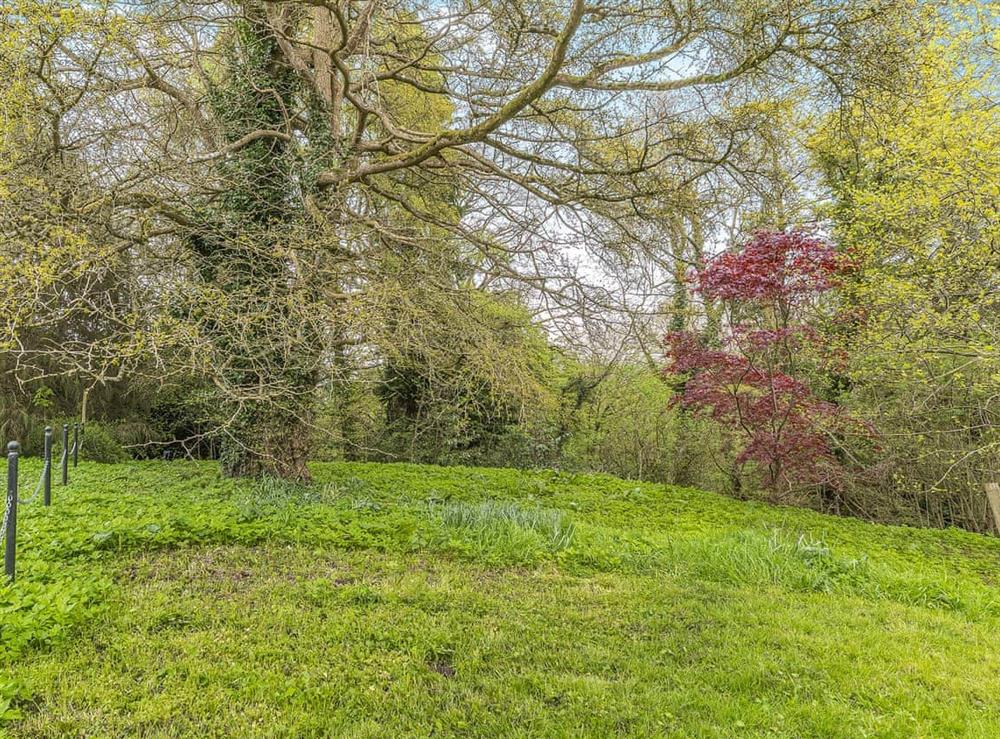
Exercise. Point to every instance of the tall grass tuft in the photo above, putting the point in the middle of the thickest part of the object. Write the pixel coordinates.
(493, 519)
(269, 496)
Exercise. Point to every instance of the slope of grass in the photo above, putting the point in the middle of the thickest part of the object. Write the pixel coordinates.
(157, 599)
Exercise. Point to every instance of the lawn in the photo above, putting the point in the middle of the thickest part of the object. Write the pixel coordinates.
(157, 599)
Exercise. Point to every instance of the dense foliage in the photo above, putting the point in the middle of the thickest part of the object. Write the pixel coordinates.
(915, 200)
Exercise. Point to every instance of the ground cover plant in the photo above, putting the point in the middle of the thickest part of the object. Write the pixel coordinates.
(161, 599)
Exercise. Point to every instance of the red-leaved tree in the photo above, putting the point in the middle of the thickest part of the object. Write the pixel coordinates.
(760, 381)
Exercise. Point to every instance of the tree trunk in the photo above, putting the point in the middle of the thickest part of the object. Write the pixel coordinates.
(273, 394)
(262, 310)
(682, 462)
(267, 443)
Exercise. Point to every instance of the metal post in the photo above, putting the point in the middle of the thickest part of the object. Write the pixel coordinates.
(76, 444)
(65, 454)
(13, 450)
(47, 469)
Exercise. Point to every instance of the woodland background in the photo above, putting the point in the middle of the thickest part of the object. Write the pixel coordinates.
(749, 247)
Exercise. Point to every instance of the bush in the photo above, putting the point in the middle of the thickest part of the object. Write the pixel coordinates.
(100, 444)
(187, 415)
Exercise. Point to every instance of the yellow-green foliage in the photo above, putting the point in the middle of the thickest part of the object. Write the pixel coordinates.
(917, 185)
(625, 425)
(49, 209)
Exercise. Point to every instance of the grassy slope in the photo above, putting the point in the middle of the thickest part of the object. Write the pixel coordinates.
(399, 600)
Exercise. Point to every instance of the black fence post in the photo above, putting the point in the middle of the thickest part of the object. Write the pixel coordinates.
(76, 444)
(65, 455)
(10, 550)
(47, 468)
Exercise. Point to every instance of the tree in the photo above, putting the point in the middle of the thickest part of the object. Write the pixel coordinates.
(68, 324)
(759, 382)
(464, 370)
(915, 198)
(622, 424)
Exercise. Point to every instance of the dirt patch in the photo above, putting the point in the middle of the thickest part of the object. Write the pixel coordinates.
(443, 667)
(441, 661)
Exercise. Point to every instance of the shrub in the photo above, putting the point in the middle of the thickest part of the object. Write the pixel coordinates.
(100, 441)
(100, 444)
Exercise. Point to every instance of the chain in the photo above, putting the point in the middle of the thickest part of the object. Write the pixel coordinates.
(34, 496)
(6, 517)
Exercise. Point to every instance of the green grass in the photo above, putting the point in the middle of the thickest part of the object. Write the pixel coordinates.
(157, 599)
